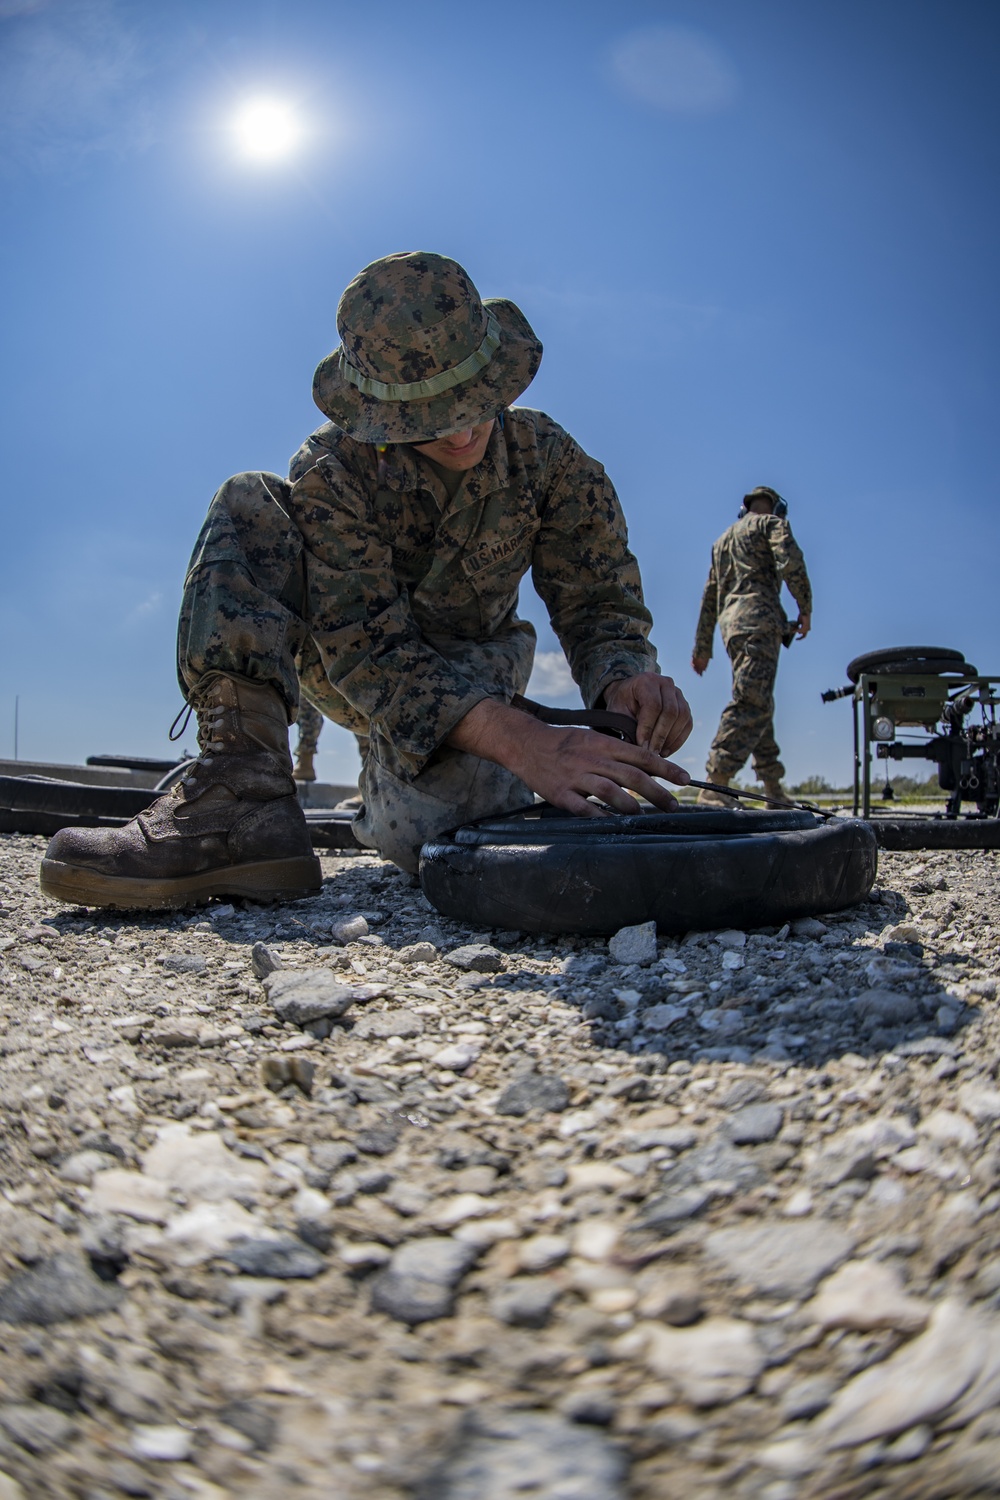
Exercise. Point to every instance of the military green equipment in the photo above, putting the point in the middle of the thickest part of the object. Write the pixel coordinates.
(915, 703)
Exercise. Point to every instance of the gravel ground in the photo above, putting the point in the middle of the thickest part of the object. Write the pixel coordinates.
(341, 1199)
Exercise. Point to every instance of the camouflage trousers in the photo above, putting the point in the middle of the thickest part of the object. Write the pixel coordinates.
(310, 725)
(245, 613)
(747, 724)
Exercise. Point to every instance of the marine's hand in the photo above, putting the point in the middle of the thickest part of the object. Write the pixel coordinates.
(658, 706)
(699, 663)
(566, 766)
(802, 626)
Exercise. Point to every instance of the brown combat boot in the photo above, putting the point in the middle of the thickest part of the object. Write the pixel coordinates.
(232, 826)
(305, 767)
(713, 799)
(777, 793)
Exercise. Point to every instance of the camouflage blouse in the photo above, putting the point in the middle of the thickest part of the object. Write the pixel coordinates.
(412, 595)
(750, 562)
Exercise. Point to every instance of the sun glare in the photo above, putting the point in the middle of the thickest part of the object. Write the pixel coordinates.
(266, 130)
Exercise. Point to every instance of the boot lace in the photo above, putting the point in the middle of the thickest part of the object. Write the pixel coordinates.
(210, 741)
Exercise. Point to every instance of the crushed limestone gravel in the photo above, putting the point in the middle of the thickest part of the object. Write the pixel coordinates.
(340, 1197)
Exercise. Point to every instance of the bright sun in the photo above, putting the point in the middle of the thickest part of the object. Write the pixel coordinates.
(266, 130)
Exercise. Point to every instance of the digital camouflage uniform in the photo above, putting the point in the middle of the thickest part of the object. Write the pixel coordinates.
(310, 726)
(400, 602)
(750, 562)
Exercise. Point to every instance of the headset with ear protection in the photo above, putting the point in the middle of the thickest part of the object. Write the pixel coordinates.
(764, 492)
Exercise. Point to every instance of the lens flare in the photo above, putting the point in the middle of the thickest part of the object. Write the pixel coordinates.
(266, 130)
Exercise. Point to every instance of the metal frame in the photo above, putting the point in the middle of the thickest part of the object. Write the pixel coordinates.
(863, 699)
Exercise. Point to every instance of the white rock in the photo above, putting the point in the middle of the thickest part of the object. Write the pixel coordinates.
(601, 1176)
(883, 971)
(731, 938)
(596, 1239)
(979, 1101)
(724, 1020)
(349, 929)
(634, 945)
(886, 1192)
(417, 953)
(457, 1209)
(732, 960)
(312, 1206)
(138, 1197)
(798, 1204)
(914, 1159)
(867, 1294)
(576, 1121)
(945, 1128)
(162, 1444)
(83, 1166)
(485, 1232)
(363, 1254)
(123, 1097)
(207, 1230)
(458, 1056)
(612, 1300)
(919, 1381)
(880, 1137)
(984, 1392)
(808, 927)
(714, 1362)
(200, 1166)
(661, 1017)
(910, 1445)
(958, 1206)
(542, 1251)
(793, 1456)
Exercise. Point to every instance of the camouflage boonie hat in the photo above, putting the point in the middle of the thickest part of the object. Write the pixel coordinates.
(421, 354)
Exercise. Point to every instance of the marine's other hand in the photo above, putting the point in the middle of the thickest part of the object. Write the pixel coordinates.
(659, 708)
(567, 766)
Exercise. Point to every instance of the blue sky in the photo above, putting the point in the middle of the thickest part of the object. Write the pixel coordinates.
(757, 238)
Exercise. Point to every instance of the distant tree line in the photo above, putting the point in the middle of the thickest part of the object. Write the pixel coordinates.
(903, 786)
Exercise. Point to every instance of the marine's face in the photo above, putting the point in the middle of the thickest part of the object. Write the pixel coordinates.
(459, 450)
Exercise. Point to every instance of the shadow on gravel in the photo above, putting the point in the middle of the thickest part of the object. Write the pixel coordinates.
(768, 995)
(854, 982)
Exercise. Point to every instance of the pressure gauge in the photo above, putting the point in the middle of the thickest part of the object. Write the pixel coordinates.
(883, 728)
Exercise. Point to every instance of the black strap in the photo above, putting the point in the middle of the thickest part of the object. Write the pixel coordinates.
(601, 719)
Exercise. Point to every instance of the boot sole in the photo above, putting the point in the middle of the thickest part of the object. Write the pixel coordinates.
(269, 880)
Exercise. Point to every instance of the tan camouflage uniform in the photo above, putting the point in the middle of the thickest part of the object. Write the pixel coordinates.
(750, 562)
(310, 726)
(400, 603)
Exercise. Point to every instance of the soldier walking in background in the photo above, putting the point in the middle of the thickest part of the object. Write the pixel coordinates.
(750, 562)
